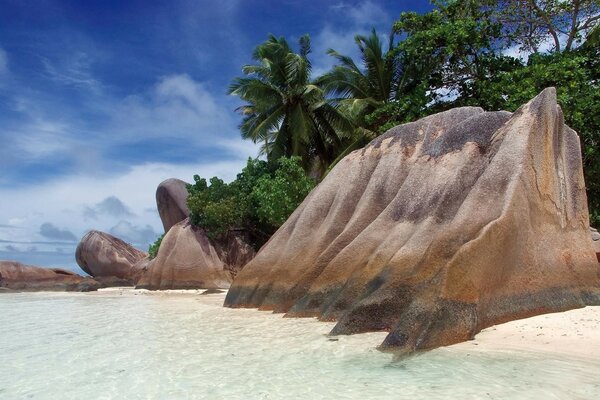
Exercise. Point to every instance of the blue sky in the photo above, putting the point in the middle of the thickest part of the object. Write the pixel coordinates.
(102, 100)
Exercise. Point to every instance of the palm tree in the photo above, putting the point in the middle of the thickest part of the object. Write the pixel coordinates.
(285, 111)
(361, 91)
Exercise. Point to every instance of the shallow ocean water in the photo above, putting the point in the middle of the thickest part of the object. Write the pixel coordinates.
(119, 345)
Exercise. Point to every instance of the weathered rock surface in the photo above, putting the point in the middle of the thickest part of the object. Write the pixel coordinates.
(436, 230)
(102, 255)
(21, 277)
(596, 242)
(186, 259)
(171, 200)
(235, 251)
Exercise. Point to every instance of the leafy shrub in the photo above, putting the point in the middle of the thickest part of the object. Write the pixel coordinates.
(260, 199)
(153, 248)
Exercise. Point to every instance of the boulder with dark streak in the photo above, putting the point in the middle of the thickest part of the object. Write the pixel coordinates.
(15, 276)
(436, 230)
(171, 201)
(102, 255)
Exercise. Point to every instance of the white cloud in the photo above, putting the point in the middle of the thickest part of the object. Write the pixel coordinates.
(177, 107)
(110, 206)
(367, 14)
(361, 19)
(61, 201)
(72, 69)
(141, 236)
(40, 139)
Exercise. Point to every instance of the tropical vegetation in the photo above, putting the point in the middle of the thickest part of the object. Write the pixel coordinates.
(258, 201)
(286, 112)
(496, 54)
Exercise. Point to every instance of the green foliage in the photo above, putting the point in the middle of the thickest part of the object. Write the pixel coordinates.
(260, 199)
(453, 56)
(278, 195)
(153, 248)
(359, 90)
(285, 111)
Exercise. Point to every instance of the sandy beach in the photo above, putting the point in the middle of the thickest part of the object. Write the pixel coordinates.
(575, 333)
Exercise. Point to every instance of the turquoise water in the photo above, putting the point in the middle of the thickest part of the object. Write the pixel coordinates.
(126, 346)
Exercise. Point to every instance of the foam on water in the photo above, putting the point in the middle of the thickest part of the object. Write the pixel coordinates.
(126, 346)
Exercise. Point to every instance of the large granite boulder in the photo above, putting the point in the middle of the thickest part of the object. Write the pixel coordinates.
(21, 277)
(436, 230)
(186, 259)
(102, 255)
(171, 201)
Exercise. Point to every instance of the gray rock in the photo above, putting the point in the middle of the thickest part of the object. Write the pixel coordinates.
(186, 259)
(15, 276)
(171, 201)
(101, 254)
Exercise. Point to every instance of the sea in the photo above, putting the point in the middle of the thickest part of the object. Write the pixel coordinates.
(125, 344)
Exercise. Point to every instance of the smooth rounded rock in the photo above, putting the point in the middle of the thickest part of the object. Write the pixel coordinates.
(186, 259)
(101, 254)
(171, 201)
(16, 276)
(436, 230)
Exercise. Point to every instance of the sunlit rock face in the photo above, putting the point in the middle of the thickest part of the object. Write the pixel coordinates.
(186, 259)
(171, 201)
(436, 230)
(21, 277)
(102, 255)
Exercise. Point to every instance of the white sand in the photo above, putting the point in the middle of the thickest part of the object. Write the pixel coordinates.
(575, 333)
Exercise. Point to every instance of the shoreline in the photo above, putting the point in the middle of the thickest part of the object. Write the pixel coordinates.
(573, 334)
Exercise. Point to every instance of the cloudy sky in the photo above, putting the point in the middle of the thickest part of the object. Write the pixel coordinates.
(102, 100)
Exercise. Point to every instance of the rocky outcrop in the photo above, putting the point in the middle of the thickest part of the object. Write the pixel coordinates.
(436, 230)
(186, 259)
(102, 255)
(20, 277)
(171, 200)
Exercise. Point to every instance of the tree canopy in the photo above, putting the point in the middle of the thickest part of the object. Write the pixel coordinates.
(496, 54)
(258, 201)
(285, 111)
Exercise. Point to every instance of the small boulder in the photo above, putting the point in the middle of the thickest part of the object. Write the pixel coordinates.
(15, 276)
(171, 201)
(102, 255)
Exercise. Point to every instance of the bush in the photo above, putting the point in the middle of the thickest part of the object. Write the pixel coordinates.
(153, 248)
(260, 199)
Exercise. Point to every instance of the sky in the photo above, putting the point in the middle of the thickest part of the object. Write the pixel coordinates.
(100, 101)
